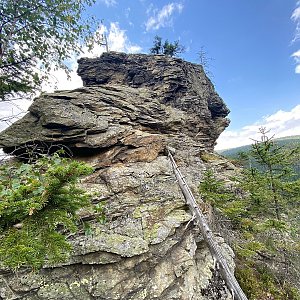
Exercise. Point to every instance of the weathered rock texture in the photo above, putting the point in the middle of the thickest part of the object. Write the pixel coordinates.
(130, 108)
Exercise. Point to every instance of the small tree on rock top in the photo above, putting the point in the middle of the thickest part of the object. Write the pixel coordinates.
(166, 48)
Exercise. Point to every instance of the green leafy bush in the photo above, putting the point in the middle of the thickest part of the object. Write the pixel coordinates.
(38, 205)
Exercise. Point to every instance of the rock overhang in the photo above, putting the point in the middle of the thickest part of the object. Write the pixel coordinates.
(121, 127)
(124, 95)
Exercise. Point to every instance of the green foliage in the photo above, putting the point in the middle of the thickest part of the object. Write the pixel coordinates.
(157, 45)
(263, 207)
(36, 35)
(172, 49)
(38, 205)
(166, 48)
(269, 185)
(259, 283)
(214, 191)
(243, 156)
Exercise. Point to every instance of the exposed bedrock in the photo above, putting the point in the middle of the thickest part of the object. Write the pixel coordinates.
(127, 100)
(130, 108)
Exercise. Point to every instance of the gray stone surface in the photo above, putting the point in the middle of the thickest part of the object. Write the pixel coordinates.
(123, 94)
(120, 122)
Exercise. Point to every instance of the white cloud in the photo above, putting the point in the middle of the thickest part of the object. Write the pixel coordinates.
(281, 123)
(296, 56)
(109, 3)
(163, 17)
(296, 14)
(117, 41)
(12, 111)
(127, 12)
(296, 18)
(59, 80)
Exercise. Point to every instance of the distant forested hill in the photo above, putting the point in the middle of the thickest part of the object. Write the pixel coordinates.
(288, 142)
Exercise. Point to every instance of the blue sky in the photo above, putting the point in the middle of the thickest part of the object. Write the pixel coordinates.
(250, 43)
(253, 45)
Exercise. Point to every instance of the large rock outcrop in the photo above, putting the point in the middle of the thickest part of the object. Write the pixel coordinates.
(122, 93)
(130, 108)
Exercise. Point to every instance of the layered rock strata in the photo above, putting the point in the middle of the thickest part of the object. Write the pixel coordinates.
(130, 108)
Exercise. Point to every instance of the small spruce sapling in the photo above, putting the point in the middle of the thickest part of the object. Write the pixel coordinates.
(265, 216)
(38, 206)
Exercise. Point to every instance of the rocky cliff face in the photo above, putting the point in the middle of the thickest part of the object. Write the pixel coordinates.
(130, 108)
(122, 94)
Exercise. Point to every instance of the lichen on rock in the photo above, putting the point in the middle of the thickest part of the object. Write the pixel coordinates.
(130, 108)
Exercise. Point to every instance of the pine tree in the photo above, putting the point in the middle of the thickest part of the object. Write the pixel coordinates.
(38, 206)
(263, 205)
(157, 45)
(166, 48)
(270, 179)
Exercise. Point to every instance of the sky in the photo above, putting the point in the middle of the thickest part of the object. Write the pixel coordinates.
(252, 48)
